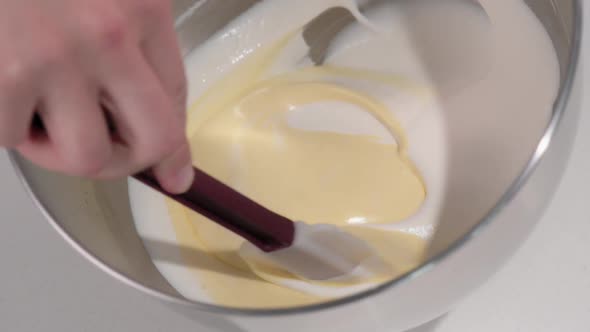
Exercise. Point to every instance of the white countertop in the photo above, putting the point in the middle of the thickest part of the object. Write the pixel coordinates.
(46, 286)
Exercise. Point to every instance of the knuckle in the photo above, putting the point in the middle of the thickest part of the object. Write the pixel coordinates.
(152, 8)
(51, 56)
(20, 72)
(106, 31)
(14, 73)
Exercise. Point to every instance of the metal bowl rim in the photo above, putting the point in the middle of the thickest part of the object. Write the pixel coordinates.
(543, 145)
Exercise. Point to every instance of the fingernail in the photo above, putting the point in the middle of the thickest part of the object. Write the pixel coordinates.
(184, 178)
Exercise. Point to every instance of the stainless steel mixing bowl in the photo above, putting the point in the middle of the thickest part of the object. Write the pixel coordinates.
(489, 212)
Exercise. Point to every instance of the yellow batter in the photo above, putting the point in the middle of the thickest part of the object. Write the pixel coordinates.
(240, 135)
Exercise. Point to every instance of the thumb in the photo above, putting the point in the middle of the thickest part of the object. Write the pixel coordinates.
(175, 172)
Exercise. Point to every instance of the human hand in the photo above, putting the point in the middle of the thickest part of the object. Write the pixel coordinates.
(104, 81)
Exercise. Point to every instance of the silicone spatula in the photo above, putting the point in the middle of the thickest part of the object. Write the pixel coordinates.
(310, 252)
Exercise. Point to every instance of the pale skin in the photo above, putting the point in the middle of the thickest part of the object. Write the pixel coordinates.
(106, 79)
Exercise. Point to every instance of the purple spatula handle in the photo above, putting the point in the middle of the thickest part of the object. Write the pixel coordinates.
(220, 203)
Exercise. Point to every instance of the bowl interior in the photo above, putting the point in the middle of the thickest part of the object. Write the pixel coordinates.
(96, 218)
